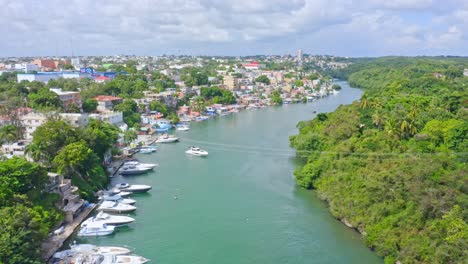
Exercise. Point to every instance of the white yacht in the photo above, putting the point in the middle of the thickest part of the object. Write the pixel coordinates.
(134, 188)
(117, 198)
(108, 219)
(110, 206)
(196, 151)
(133, 170)
(167, 139)
(111, 259)
(183, 128)
(119, 192)
(148, 149)
(96, 229)
(87, 258)
(136, 163)
(91, 249)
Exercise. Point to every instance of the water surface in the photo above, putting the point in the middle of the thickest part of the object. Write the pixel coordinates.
(240, 204)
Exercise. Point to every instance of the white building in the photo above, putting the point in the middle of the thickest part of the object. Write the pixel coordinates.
(75, 119)
(15, 149)
(30, 122)
(114, 118)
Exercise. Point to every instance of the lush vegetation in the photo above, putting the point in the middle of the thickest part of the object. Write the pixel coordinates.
(27, 213)
(217, 95)
(76, 152)
(393, 165)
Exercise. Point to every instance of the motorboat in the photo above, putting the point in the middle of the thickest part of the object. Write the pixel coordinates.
(196, 151)
(91, 249)
(119, 192)
(117, 198)
(111, 206)
(136, 163)
(108, 219)
(167, 139)
(87, 258)
(134, 188)
(127, 259)
(96, 229)
(133, 170)
(147, 150)
(183, 128)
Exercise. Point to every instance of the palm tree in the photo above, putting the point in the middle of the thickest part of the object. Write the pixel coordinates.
(364, 102)
(391, 127)
(377, 119)
(9, 133)
(34, 151)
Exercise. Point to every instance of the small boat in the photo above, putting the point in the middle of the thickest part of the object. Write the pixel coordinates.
(121, 259)
(110, 206)
(134, 188)
(162, 130)
(133, 170)
(108, 219)
(117, 198)
(90, 258)
(117, 191)
(146, 150)
(136, 163)
(196, 151)
(96, 229)
(167, 139)
(91, 249)
(183, 128)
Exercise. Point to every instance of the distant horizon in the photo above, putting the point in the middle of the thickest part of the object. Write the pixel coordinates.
(237, 56)
(358, 28)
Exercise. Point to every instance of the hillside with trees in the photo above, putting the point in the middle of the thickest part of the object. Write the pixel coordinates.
(393, 165)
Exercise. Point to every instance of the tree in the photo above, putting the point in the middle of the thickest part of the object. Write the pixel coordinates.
(44, 99)
(50, 137)
(9, 133)
(100, 136)
(130, 135)
(89, 105)
(129, 109)
(73, 159)
(299, 83)
(18, 176)
(275, 98)
(263, 79)
(159, 107)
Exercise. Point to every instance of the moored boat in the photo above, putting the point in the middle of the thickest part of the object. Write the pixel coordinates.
(134, 188)
(167, 139)
(110, 206)
(133, 169)
(117, 198)
(136, 163)
(108, 219)
(91, 249)
(96, 229)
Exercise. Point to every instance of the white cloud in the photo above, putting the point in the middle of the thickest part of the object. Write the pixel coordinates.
(142, 26)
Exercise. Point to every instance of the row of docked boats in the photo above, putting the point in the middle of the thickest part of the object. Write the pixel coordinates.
(91, 254)
(104, 223)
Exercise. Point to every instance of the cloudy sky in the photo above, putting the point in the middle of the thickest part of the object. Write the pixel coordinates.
(233, 27)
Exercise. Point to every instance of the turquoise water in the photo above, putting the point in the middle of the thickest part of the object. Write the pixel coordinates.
(240, 204)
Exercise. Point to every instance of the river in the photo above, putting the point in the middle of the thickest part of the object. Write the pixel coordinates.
(240, 204)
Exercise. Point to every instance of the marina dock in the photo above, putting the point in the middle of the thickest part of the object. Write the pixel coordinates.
(55, 242)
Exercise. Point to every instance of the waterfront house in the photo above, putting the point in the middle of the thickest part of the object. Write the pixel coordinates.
(70, 202)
